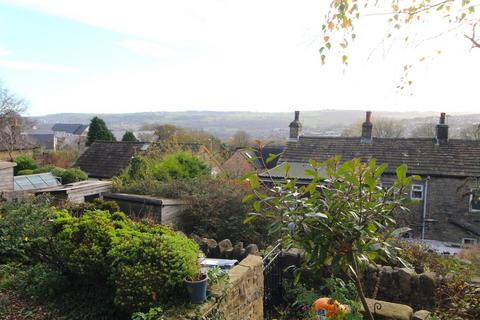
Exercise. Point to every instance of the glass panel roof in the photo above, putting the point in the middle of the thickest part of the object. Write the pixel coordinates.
(35, 181)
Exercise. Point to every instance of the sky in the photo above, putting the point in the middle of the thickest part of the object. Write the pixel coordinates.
(222, 55)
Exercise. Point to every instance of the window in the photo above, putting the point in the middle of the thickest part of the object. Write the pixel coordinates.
(469, 241)
(474, 202)
(417, 192)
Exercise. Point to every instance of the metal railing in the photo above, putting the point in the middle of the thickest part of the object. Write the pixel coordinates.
(273, 282)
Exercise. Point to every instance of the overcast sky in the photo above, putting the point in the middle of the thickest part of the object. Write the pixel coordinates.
(252, 55)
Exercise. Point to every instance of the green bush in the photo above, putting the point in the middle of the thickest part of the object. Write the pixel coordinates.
(132, 266)
(25, 172)
(43, 169)
(151, 267)
(179, 165)
(25, 163)
(69, 175)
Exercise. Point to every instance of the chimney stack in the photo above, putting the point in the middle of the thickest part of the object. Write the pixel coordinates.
(442, 130)
(295, 127)
(367, 128)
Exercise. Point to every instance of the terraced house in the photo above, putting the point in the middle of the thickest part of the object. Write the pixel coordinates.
(447, 207)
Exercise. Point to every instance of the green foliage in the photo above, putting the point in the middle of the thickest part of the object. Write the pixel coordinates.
(135, 266)
(25, 172)
(345, 293)
(24, 163)
(153, 314)
(129, 137)
(342, 218)
(180, 165)
(39, 280)
(70, 175)
(78, 209)
(149, 268)
(98, 131)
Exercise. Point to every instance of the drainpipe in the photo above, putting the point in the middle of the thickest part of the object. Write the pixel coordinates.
(424, 215)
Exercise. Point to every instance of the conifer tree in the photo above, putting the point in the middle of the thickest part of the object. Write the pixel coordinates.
(129, 137)
(98, 131)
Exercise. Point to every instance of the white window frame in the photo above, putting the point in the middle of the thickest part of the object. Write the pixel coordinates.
(473, 241)
(419, 189)
(470, 209)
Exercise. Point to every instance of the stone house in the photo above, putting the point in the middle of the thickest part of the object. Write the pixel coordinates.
(70, 135)
(244, 161)
(447, 206)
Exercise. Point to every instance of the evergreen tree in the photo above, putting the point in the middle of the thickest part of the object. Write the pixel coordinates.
(129, 136)
(98, 131)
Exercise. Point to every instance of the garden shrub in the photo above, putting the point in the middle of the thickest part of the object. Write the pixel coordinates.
(24, 163)
(115, 265)
(25, 172)
(70, 175)
(179, 165)
(150, 268)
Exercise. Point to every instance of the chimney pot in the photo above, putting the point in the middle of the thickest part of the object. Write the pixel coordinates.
(368, 116)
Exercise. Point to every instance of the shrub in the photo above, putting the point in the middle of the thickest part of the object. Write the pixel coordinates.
(25, 163)
(25, 172)
(61, 158)
(70, 175)
(25, 231)
(179, 165)
(151, 267)
(43, 169)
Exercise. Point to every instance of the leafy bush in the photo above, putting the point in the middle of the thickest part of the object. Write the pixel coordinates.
(25, 172)
(70, 175)
(43, 169)
(134, 265)
(25, 163)
(179, 165)
(151, 267)
(78, 209)
(39, 281)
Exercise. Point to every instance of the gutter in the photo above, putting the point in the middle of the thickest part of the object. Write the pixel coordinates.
(424, 214)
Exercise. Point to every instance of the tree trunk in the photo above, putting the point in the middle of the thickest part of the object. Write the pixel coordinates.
(359, 287)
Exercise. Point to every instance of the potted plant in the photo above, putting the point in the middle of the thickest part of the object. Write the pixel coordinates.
(197, 286)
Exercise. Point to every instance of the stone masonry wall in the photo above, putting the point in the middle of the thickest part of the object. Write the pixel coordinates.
(445, 203)
(401, 285)
(241, 298)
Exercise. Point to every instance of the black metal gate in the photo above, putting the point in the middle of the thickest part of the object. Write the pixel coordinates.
(273, 282)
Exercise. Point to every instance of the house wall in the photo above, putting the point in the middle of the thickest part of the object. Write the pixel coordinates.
(237, 165)
(445, 202)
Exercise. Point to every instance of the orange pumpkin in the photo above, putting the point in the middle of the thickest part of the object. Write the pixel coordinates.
(332, 307)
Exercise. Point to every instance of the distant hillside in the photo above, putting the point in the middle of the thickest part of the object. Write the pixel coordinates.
(262, 125)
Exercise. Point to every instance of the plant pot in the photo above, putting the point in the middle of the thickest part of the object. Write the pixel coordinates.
(197, 289)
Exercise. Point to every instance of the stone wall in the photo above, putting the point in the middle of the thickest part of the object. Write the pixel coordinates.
(447, 208)
(401, 285)
(225, 249)
(241, 298)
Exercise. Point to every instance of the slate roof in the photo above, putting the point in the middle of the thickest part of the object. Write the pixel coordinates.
(105, 159)
(73, 128)
(259, 157)
(457, 158)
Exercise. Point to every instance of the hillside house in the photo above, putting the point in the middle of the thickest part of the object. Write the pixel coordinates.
(70, 135)
(448, 207)
(244, 161)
